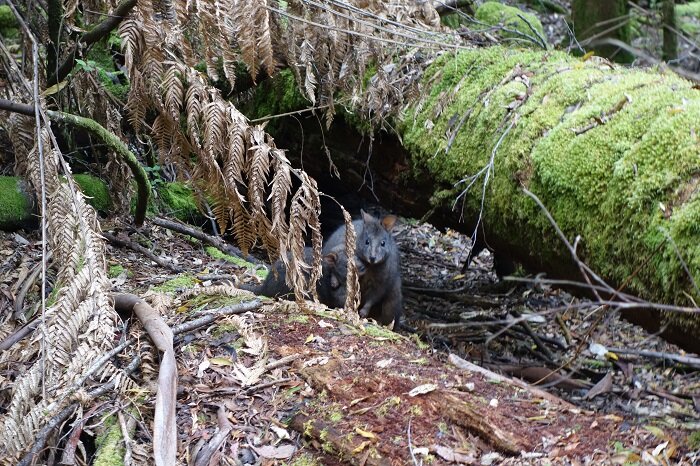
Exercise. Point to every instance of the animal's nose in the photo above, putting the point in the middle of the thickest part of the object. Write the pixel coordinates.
(373, 259)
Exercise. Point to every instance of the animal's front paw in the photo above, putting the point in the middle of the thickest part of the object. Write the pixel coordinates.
(364, 312)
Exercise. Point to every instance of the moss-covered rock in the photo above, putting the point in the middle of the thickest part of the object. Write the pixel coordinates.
(17, 206)
(96, 191)
(517, 22)
(613, 154)
(178, 199)
(275, 96)
(8, 23)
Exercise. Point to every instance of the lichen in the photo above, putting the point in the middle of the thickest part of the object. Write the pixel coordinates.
(518, 22)
(613, 155)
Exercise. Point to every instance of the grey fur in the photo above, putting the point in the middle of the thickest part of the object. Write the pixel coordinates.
(331, 287)
(378, 264)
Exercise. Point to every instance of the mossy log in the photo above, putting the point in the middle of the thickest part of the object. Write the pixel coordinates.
(612, 152)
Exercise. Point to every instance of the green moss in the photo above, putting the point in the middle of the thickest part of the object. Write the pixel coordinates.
(689, 9)
(454, 20)
(178, 199)
(16, 208)
(115, 270)
(100, 60)
(497, 14)
(96, 191)
(694, 441)
(299, 318)
(335, 415)
(601, 148)
(109, 443)
(216, 254)
(275, 96)
(305, 459)
(381, 332)
(8, 23)
(388, 404)
(181, 281)
(418, 342)
(688, 18)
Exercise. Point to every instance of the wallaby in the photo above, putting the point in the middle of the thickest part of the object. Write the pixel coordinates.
(330, 287)
(378, 265)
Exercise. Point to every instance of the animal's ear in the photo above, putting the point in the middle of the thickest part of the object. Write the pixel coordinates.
(331, 258)
(367, 218)
(388, 222)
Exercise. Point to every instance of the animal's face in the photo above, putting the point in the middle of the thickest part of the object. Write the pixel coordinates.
(375, 242)
(335, 269)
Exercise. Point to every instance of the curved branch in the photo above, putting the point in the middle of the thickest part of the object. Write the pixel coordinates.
(90, 37)
(114, 143)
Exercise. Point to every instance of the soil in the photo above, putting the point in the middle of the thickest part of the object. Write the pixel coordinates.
(345, 394)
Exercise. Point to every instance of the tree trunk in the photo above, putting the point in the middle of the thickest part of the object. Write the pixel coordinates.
(612, 154)
(594, 20)
(670, 46)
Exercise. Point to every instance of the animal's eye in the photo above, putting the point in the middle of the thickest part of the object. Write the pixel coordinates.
(367, 241)
(383, 243)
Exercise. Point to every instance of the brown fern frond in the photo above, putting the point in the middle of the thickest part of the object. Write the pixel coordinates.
(264, 42)
(137, 101)
(352, 300)
(246, 33)
(258, 170)
(132, 38)
(173, 90)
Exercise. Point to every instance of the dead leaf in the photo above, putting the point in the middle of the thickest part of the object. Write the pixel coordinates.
(280, 432)
(281, 452)
(604, 385)
(221, 362)
(384, 363)
(422, 389)
(203, 366)
(365, 433)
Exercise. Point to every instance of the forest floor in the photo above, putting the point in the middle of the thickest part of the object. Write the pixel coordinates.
(313, 386)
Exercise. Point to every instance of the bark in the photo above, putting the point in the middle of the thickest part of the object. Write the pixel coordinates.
(670, 46)
(594, 19)
(611, 153)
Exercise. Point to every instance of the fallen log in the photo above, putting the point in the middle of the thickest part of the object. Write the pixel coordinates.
(611, 152)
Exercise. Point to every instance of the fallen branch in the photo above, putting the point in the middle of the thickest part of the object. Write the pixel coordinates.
(689, 361)
(44, 434)
(141, 250)
(207, 452)
(90, 37)
(164, 428)
(215, 241)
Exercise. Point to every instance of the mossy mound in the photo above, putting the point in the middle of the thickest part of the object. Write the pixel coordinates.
(613, 154)
(8, 23)
(96, 191)
(178, 199)
(518, 22)
(17, 205)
